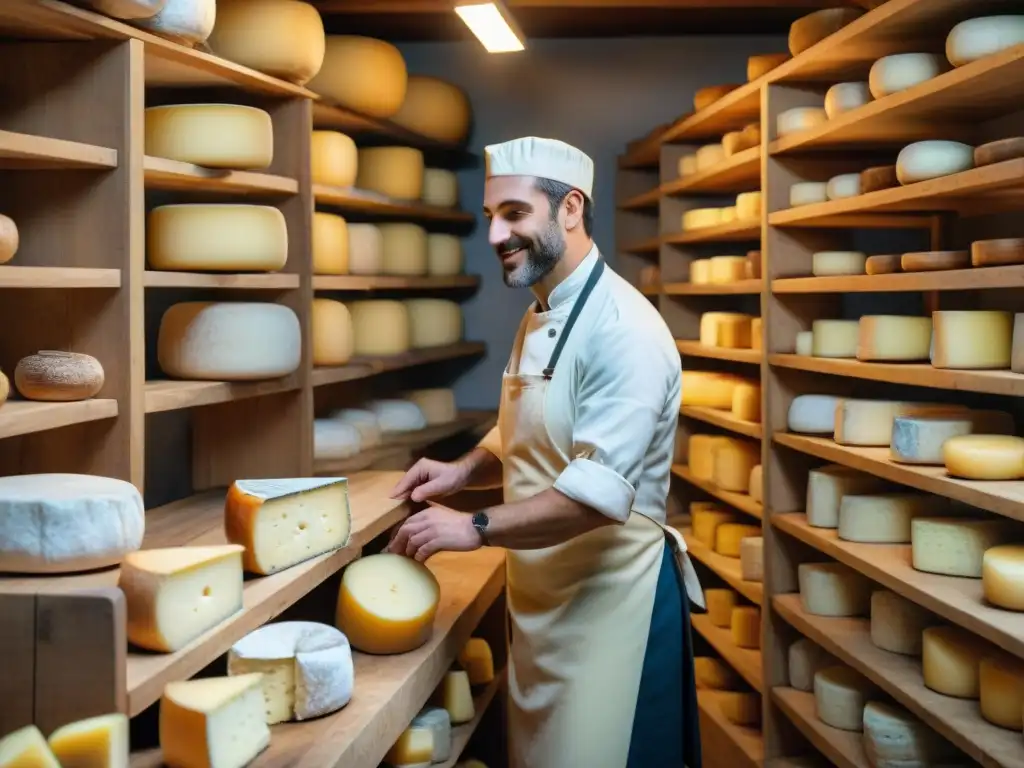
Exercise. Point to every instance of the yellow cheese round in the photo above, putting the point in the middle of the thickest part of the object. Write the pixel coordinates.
(966, 339)
(763, 63)
(8, 239)
(701, 455)
(404, 249)
(216, 237)
(720, 603)
(380, 327)
(728, 269)
(832, 263)
(733, 461)
(363, 74)
(706, 522)
(746, 401)
(741, 707)
(700, 271)
(211, 135)
(330, 244)
(834, 338)
(811, 29)
(984, 457)
(746, 627)
(281, 38)
(435, 109)
(1002, 576)
(709, 156)
(950, 657)
(333, 339)
(433, 322)
(393, 171)
(334, 159)
(709, 389)
(438, 404)
(714, 674)
(1001, 690)
(729, 535)
(444, 255)
(387, 604)
(894, 337)
(749, 205)
(440, 187)
(365, 249)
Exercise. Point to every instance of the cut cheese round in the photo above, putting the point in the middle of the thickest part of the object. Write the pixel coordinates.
(746, 627)
(999, 151)
(229, 341)
(813, 414)
(363, 74)
(805, 659)
(894, 337)
(967, 339)
(869, 422)
(433, 322)
(1002, 576)
(364, 421)
(977, 38)
(720, 603)
(729, 535)
(281, 38)
(55, 376)
(826, 488)
(396, 416)
(334, 159)
(992, 253)
(404, 249)
(878, 178)
(844, 97)
(387, 604)
(440, 187)
(808, 193)
(900, 71)
(934, 261)
(833, 589)
(831, 263)
(952, 547)
(932, 159)
(749, 205)
(444, 255)
(897, 623)
(434, 108)
(333, 339)
(752, 559)
(437, 404)
(381, 327)
(840, 693)
(762, 64)
(984, 457)
(307, 668)
(334, 441)
(705, 97)
(714, 674)
(842, 186)
(365, 249)
(883, 264)
(815, 27)
(881, 518)
(728, 269)
(187, 22)
(211, 135)
(393, 171)
(799, 119)
(805, 343)
(709, 156)
(216, 237)
(834, 338)
(98, 740)
(1000, 689)
(60, 523)
(950, 658)
(330, 244)
(894, 738)
(919, 439)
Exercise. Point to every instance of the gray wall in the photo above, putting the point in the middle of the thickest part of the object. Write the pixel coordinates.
(595, 94)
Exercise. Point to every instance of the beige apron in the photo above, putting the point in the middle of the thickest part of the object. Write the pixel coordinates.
(580, 611)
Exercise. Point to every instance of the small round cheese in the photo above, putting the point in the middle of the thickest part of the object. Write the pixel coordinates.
(800, 119)
(61, 523)
(843, 97)
(843, 185)
(187, 22)
(808, 193)
(434, 108)
(440, 187)
(840, 693)
(444, 255)
(925, 160)
(8, 238)
(433, 322)
(393, 171)
(387, 604)
(334, 440)
(365, 249)
(363, 74)
(58, 376)
(211, 135)
(976, 38)
(1002, 576)
(216, 237)
(333, 340)
(831, 263)
(381, 327)
(1001, 690)
(900, 71)
(950, 658)
(437, 404)
(334, 159)
(396, 416)
(805, 343)
(813, 414)
(883, 264)
(897, 623)
(330, 244)
(405, 249)
(984, 457)
(834, 338)
(365, 422)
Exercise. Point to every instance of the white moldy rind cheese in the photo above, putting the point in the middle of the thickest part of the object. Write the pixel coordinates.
(842, 186)
(216, 237)
(813, 414)
(365, 249)
(805, 659)
(954, 547)
(363, 74)
(1002, 576)
(434, 108)
(333, 338)
(967, 339)
(330, 244)
(307, 668)
(396, 172)
(894, 337)
(334, 159)
(440, 187)
(920, 439)
(830, 263)
(187, 22)
(808, 193)
(826, 487)
(752, 558)
(984, 457)
(883, 518)
(405, 249)
(840, 693)
(333, 440)
(897, 623)
(894, 738)
(804, 343)
(211, 135)
(843, 97)
(381, 327)
(433, 322)
(59, 523)
(834, 338)
(925, 160)
(976, 38)
(396, 416)
(229, 341)
(950, 658)
(891, 74)
(1000, 688)
(833, 589)
(799, 119)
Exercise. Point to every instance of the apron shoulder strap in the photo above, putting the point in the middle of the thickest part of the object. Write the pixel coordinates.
(581, 300)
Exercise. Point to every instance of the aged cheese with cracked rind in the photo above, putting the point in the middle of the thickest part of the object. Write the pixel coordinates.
(729, 535)
(363, 74)
(396, 172)
(950, 660)
(833, 589)
(720, 603)
(433, 322)
(840, 693)
(216, 237)
(714, 674)
(843, 97)
(829, 263)
(977, 38)
(381, 327)
(733, 461)
(894, 738)
(752, 558)
(811, 29)
(805, 343)
(826, 487)
(434, 108)
(741, 708)
(805, 658)
(934, 261)
(701, 454)
(894, 337)
(900, 71)
(334, 159)
(1001, 690)
(808, 193)
(984, 457)
(211, 135)
(330, 244)
(883, 518)
(842, 186)
(94, 741)
(813, 414)
(745, 627)
(897, 623)
(932, 159)
(1002, 576)
(972, 340)
(919, 439)
(440, 187)
(799, 119)
(834, 338)
(333, 339)
(955, 547)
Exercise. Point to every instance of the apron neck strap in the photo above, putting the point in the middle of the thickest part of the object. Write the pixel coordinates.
(581, 300)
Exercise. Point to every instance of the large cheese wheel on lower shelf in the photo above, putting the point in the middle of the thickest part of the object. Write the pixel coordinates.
(393, 171)
(815, 27)
(950, 660)
(833, 589)
(926, 160)
(433, 322)
(900, 71)
(955, 547)
(211, 135)
(434, 108)
(405, 249)
(897, 623)
(840, 693)
(387, 604)
(1000, 689)
(381, 327)
(330, 244)
(365, 249)
(445, 256)
(186, 22)
(334, 159)
(894, 738)
(974, 39)
(984, 457)
(333, 338)
(966, 339)
(826, 488)
(60, 523)
(229, 341)
(363, 74)
(281, 38)
(216, 237)
(843, 97)
(894, 338)
(437, 404)
(1002, 576)
(440, 187)
(813, 414)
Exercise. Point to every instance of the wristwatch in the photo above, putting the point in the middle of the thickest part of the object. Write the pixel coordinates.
(480, 522)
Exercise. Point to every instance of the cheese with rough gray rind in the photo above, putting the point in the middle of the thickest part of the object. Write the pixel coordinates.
(707, 521)
(808, 193)
(438, 722)
(334, 159)
(883, 518)
(380, 327)
(757, 484)
(1002, 576)
(733, 461)
(972, 340)
(814, 27)
(281, 38)
(714, 674)
(763, 63)
(396, 172)
(307, 668)
(701, 454)
(831, 263)
(975, 39)
(720, 603)
(729, 535)
(437, 404)
(434, 108)
(1001, 690)
(752, 559)
(395, 416)
(843, 97)
(805, 343)
(900, 71)
(54, 376)
(186, 22)
(869, 422)
(334, 441)
(363, 74)
(834, 338)
(813, 414)
(894, 738)
(950, 660)
(919, 439)
(984, 457)
(826, 488)
(211, 135)
(330, 244)
(955, 547)
(894, 338)
(840, 693)
(365, 249)
(897, 623)
(799, 119)
(932, 159)
(440, 187)
(433, 322)
(333, 338)
(404, 249)
(229, 341)
(833, 589)
(842, 186)
(216, 237)
(805, 659)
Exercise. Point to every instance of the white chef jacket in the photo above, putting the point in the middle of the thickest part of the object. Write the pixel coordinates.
(623, 390)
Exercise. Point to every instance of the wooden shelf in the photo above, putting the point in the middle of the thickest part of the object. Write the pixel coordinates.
(461, 734)
(732, 232)
(849, 639)
(646, 201)
(360, 201)
(58, 277)
(23, 417)
(649, 246)
(644, 154)
(733, 111)
(745, 661)
(266, 281)
(169, 395)
(739, 173)
(392, 282)
(327, 115)
(727, 568)
(696, 349)
(746, 745)
(844, 749)
(175, 176)
(21, 150)
(740, 501)
(705, 289)
(980, 278)
(722, 419)
(361, 368)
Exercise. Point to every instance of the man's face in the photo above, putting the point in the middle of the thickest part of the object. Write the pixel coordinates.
(529, 242)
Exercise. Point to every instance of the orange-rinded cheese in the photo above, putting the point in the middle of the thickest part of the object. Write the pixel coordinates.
(95, 741)
(478, 661)
(720, 603)
(1001, 689)
(334, 159)
(729, 535)
(984, 457)
(1002, 576)
(733, 460)
(714, 674)
(393, 171)
(746, 627)
(709, 389)
(706, 521)
(26, 748)
(746, 402)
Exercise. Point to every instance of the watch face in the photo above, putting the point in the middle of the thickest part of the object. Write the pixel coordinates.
(480, 520)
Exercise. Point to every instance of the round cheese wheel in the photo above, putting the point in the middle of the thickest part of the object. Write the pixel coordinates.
(883, 264)
(211, 135)
(381, 327)
(281, 38)
(843, 185)
(993, 253)
(365, 249)
(435, 109)
(216, 237)
(58, 376)
(393, 171)
(188, 22)
(950, 657)
(1000, 684)
(934, 261)
(799, 119)
(842, 97)
(334, 440)
(397, 416)
(334, 159)
(333, 339)
(832, 263)
(705, 97)
(891, 74)
(440, 187)
(61, 523)
(433, 322)
(925, 160)
(229, 341)
(808, 193)
(753, 271)
(709, 156)
(330, 244)
(984, 457)
(444, 255)
(438, 404)
(364, 421)
(362, 74)
(1002, 576)
(405, 249)
(999, 151)
(750, 136)
(879, 177)
(387, 604)
(731, 143)
(127, 9)
(804, 343)
(760, 65)
(815, 27)
(5, 388)
(8, 239)
(976, 38)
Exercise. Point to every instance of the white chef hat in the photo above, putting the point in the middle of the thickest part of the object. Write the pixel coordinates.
(544, 158)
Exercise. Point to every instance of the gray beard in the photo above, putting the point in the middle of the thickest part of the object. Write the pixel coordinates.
(541, 257)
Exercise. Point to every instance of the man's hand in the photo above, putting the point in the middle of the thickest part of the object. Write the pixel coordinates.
(435, 529)
(429, 478)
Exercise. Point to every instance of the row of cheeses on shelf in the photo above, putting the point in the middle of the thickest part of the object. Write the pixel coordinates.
(952, 339)
(983, 253)
(722, 270)
(285, 39)
(737, 705)
(742, 621)
(723, 391)
(710, 156)
(968, 41)
(55, 376)
(729, 463)
(732, 330)
(724, 531)
(747, 209)
(920, 161)
(955, 662)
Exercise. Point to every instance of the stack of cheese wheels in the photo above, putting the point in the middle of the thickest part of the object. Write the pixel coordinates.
(362, 74)
(211, 135)
(433, 322)
(435, 109)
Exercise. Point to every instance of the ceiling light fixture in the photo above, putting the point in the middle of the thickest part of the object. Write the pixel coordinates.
(493, 26)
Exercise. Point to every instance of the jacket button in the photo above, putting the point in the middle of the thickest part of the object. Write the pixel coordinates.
(551, 333)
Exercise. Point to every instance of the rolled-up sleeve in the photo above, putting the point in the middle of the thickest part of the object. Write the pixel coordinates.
(621, 394)
(491, 442)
